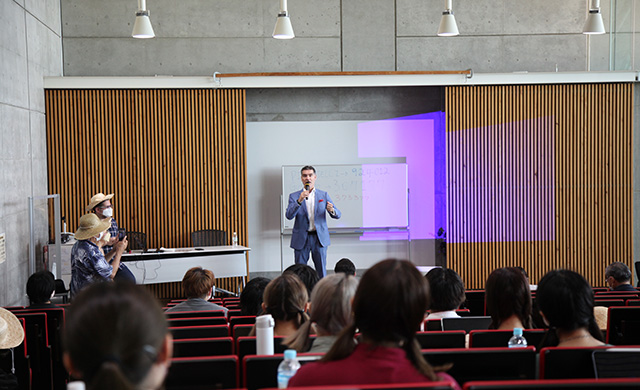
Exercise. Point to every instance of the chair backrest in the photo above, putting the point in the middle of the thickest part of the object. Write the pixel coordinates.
(500, 338)
(441, 339)
(137, 241)
(195, 314)
(20, 362)
(608, 302)
(242, 320)
(247, 345)
(216, 346)
(566, 384)
(38, 348)
(55, 323)
(234, 313)
(633, 302)
(567, 363)
(195, 332)
(241, 330)
(616, 363)
(466, 323)
(200, 373)
(197, 321)
(209, 237)
(485, 363)
(260, 371)
(623, 325)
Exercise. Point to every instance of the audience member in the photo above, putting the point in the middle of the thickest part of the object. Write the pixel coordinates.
(116, 337)
(618, 277)
(388, 307)
(330, 310)
(447, 293)
(100, 205)
(565, 301)
(11, 335)
(508, 299)
(285, 298)
(307, 275)
(251, 296)
(41, 287)
(345, 266)
(88, 264)
(198, 285)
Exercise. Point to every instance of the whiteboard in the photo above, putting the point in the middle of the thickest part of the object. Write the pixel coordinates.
(368, 195)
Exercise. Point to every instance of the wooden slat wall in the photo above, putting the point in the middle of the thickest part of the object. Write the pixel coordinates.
(576, 139)
(175, 160)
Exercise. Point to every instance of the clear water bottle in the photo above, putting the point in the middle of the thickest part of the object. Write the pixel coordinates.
(287, 368)
(234, 239)
(517, 340)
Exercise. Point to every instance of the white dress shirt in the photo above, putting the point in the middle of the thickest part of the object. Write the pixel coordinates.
(311, 206)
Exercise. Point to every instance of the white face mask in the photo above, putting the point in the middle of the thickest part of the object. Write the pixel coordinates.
(104, 236)
(108, 212)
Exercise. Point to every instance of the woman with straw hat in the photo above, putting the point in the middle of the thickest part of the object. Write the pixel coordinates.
(11, 335)
(88, 264)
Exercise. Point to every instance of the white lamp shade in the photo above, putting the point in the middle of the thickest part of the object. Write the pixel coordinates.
(283, 28)
(142, 27)
(594, 24)
(448, 26)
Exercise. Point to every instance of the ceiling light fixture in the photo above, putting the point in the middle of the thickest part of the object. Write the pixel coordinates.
(142, 27)
(283, 28)
(448, 26)
(594, 23)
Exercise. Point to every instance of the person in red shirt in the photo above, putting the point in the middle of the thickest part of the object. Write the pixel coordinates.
(388, 307)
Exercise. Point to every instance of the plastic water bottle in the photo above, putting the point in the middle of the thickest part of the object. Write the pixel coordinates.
(517, 340)
(234, 239)
(287, 368)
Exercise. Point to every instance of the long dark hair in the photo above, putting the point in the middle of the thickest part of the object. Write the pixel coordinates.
(113, 334)
(285, 298)
(566, 300)
(507, 293)
(389, 306)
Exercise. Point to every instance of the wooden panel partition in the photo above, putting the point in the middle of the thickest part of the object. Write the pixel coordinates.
(539, 176)
(175, 160)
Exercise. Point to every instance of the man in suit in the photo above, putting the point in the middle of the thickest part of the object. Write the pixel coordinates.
(310, 206)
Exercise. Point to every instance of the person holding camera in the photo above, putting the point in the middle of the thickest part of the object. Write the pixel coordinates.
(100, 205)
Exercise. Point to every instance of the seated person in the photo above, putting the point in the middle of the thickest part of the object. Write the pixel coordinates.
(307, 275)
(198, 285)
(330, 310)
(88, 264)
(388, 307)
(447, 293)
(11, 335)
(618, 277)
(116, 337)
(345, 266)
(285, 298)
(41, 287)
(251, 296)
(565, 300)
(508, 299)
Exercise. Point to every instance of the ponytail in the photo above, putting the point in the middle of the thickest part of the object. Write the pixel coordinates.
(414, 354)
(108, 377)
(300, 340)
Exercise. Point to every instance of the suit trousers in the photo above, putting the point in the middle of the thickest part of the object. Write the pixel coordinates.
(318, 252)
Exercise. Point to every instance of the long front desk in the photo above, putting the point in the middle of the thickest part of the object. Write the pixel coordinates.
(170, 265)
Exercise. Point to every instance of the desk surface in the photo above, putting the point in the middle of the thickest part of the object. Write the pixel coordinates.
(177, 253)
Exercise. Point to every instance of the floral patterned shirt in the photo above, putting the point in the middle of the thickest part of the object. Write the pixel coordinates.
(88, 265)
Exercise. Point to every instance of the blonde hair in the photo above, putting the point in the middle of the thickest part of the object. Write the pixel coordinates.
(330, 309)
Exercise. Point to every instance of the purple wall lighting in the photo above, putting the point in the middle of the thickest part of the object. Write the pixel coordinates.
(420, 139)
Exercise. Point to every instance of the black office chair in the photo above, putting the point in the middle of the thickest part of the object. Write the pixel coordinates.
(137, 241)
(209, 237)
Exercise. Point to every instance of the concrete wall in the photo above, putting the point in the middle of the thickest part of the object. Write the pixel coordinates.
(30, 48)
(199, 37)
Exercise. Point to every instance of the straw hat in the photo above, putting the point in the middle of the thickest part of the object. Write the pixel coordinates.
(91, 225)
(11, 331)
(601, 313)
(96, 200)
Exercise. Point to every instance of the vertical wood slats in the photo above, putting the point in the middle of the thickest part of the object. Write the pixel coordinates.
(587, 146)
(175, 159)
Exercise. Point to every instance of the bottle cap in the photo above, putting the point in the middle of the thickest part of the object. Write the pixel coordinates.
(290, 354)
(76, 385)
(517, 331)
(265, 321)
